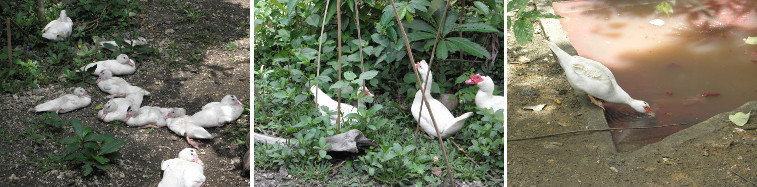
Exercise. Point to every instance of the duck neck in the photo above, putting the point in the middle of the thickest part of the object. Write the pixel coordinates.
(427, 83)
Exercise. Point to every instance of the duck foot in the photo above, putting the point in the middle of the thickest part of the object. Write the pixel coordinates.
(191, 142)
(596, 102)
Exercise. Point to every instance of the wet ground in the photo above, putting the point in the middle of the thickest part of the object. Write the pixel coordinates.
(712, 153)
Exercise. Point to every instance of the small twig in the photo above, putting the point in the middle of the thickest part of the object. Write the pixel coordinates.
(755, 184)
(97, 21)
(593, 130)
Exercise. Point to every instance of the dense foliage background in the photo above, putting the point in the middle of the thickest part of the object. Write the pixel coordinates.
(286, 52)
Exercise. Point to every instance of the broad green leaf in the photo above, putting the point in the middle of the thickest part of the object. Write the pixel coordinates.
(87, 169)
(516, 5)
(419, 25)
(470, 47)
(524, 31)
(482, 7)
(441, 50)
(314, 20)
(77, 128)
(349, 76)
(299, 98)
(323, 79)
(415, 36)
(478, 27)
(339, 84)
(290, 7)
(751, 40)
(368, 75)
(739, 118)
(111, 146)
(435, 5)
(101, 160)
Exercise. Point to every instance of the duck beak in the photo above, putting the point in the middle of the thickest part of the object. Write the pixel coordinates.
(86, 95)
(105, 112)
(649, 111)
(99, 79)
(127, 117)
(131, 63)
(470, 81)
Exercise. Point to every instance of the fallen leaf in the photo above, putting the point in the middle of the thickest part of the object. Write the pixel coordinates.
(739, 118)
(436, 171)
(535, 108)
(751, 40)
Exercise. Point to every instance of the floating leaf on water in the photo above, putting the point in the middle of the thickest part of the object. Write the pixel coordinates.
(739, 118)
(751, 40)
(535, 108)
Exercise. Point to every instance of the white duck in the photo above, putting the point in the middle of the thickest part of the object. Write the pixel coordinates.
(485, 97)
(331, 104)
(116, 108)
(148, 116)
(215, 114)
(446, 122)
(138, 41)
(58, 29)
(185, 170)
(117, 86)
(66, 103)
(596, 80)
(183, 125)
(122, 65)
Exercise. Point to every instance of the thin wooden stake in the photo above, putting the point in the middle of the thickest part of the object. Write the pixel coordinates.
(423, 95)
(320, 43)
(339, 60)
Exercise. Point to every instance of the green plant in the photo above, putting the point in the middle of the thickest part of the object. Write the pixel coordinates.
(91, 150)
(523, 29)
(231, 46)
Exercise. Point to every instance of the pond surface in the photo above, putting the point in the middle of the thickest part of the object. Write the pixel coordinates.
(689, 65)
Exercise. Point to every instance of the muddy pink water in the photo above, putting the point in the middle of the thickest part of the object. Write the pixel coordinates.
(699, 49)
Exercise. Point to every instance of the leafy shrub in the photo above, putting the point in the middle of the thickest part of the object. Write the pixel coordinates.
(91, 150)
(523, 29)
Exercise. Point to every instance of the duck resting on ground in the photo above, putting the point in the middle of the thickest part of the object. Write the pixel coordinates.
(186, 170)
(149, 116)
(116, 108)
(447, 123)
(58, 29)
(331, 104)
(485, 97)
(66, 103)
(122, 65)
(215, 114)
(116, 86)
(596, 80)
(184, 125)
(138, 41)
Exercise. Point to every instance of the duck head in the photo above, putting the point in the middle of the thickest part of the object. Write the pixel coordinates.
(189, 154)
(641, 107)
(80, 92)
(105, 74)
(124, 59)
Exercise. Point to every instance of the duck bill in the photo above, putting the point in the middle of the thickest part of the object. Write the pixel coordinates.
(98, 79)
(131, 63)
(128, 116)
(649, 111)
(167, 116)
(470, 81)
(105, 113)
(198, 161)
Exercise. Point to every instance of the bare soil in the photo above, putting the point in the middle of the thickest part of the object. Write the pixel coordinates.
(173, 82)
(712, 153)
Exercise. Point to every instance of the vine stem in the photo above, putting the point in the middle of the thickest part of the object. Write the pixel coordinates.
(422, 88)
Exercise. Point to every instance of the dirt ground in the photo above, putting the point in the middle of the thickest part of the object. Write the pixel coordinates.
(220, 71)
(712, 153)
